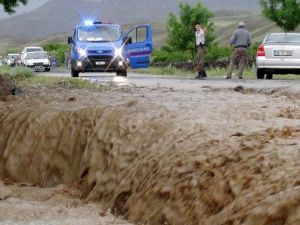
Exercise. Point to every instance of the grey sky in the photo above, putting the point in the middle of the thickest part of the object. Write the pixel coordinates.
(32, 4)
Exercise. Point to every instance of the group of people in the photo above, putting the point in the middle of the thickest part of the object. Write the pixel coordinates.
(240, 40)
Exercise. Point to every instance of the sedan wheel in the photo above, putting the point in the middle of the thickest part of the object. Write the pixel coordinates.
(269, 76)
(74, 73)
(260, 73)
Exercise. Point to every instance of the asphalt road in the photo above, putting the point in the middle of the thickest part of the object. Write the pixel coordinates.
(177, 82)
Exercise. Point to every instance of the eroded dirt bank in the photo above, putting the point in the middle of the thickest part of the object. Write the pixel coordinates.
(158, 155)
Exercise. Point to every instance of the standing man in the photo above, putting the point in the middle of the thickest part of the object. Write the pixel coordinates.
(67, 59)
(200, 42)
(241, 41)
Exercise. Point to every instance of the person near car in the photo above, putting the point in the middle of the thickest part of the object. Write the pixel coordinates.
(67, 59)
(200, 33)
(241, 41)
(53, 61)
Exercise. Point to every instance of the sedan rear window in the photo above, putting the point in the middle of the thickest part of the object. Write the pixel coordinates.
(34, 50)
(284, 38)
(38, 55)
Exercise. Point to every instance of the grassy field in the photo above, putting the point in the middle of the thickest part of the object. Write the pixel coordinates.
(25, 77)
(211, 72)
(249, 73)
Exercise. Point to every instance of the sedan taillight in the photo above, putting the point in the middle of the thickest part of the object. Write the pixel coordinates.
(261, 51)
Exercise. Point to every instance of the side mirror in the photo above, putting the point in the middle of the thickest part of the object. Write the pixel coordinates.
(127, 40)
(70, 40)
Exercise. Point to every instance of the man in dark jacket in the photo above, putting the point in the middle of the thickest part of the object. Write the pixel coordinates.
(241, 40)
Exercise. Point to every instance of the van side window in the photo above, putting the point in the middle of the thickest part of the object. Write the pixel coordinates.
(141, 34)
(138, 35)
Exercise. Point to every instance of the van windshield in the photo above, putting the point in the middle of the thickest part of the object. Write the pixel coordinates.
(99, 33)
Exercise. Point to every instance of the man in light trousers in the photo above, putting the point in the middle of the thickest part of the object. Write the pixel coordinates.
(241, 41)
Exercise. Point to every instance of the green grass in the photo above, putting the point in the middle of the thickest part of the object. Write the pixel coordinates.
(25, 77)
(16, 73)
(172, 71)
(167, 71)
(249, 73)
(66, 82)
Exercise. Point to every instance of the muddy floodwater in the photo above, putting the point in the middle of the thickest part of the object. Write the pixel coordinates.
(157, 154)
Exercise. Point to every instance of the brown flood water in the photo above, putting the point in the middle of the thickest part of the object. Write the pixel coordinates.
(155, 156)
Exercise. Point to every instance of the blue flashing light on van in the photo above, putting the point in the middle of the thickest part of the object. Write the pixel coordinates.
(102, 47)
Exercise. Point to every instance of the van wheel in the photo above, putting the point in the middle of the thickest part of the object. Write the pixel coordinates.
(122, 73)
(269, 76)
(260, 73)
(47, 69)
(74, 73)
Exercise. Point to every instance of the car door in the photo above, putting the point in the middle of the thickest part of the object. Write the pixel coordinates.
(139, 46)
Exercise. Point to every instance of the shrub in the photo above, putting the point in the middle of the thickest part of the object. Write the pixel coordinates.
(253, 49)
(216, 52)
(57, 50)
(17, 73)
(160, 55)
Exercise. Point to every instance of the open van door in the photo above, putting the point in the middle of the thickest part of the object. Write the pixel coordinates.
(139, 46)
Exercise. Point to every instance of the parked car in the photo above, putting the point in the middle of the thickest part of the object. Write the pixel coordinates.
(278, 54)
(37, 61)
(11, 59)
(27, 50)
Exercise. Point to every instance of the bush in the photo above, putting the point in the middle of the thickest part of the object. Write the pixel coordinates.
(57, 50)
(161, 55)
(17, 73)
(216, 52)
(169, 55)
(253, 49)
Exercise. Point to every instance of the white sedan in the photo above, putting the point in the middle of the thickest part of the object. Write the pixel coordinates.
(37, 61)
(278, 54)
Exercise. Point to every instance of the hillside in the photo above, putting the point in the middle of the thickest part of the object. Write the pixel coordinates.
(56, 18)
(60, 16)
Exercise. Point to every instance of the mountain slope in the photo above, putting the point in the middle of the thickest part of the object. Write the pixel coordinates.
(60, 16)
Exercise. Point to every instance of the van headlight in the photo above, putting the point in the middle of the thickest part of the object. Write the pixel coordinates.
(81, 52)
(118, 52)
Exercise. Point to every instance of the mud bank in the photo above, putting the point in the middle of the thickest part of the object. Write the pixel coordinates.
(23, 204)
(145, 162)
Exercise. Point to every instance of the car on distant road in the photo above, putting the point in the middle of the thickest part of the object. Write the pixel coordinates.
(279, 53)
(11, 59)
(27, 50)
(102, 47)
(37, 61)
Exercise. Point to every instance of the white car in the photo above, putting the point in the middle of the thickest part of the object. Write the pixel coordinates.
(37, 61)
(11, 58)
(278, 54)
(29, 49)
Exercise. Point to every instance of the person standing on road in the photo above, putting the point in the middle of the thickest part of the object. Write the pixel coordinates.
(200, 43)
(66, 59)
(241, 41)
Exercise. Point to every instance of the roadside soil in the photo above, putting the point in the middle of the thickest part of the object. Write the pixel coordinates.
(153, 155)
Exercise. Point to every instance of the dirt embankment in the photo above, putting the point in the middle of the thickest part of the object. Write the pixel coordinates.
(7, 87)
(139, 160)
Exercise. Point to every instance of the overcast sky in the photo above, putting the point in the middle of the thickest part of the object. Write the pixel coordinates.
(32, 4)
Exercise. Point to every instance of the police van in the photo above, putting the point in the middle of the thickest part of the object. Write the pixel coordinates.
(102, 47)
